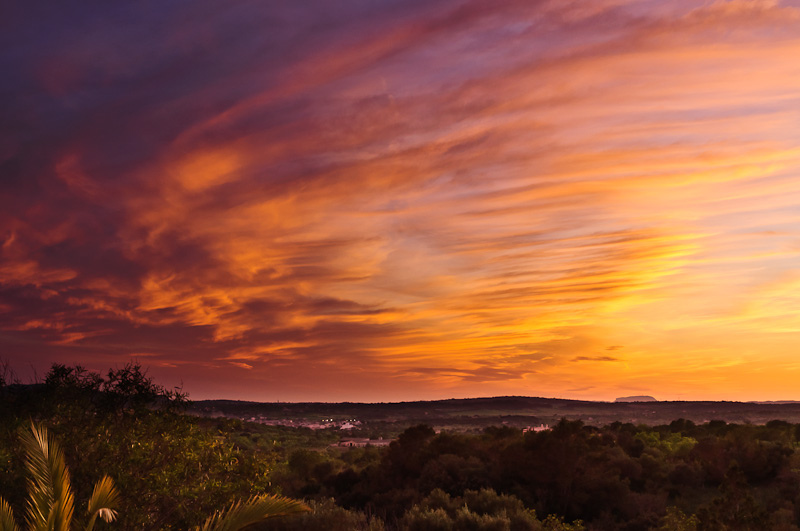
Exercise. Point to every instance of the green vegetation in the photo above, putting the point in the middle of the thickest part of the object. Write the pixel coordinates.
(51, 503)
(255, 510)
(174, 468)
(678, 476)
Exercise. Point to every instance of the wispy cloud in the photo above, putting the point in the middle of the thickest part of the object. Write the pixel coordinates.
(401, 200)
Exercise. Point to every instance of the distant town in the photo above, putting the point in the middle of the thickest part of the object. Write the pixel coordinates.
(472, 415)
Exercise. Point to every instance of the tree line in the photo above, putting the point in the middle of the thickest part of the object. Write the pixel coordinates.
(174, 469)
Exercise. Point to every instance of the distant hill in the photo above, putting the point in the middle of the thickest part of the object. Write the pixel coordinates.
(640, 398)
(516, 411)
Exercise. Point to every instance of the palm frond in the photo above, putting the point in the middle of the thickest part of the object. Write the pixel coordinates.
(103, 503)
(50, 503)
(254, 510)
(7, 522)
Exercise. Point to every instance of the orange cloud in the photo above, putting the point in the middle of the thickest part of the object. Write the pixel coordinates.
(449, 200)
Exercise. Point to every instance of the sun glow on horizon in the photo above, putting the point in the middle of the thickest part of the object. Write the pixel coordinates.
(410, 201)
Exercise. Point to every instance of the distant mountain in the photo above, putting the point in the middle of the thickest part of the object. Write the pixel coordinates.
(517, 411)
(641, 398)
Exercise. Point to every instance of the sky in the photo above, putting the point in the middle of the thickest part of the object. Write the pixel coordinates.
(383, 200)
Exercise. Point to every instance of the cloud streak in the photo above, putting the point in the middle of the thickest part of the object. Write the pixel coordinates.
(405, 200)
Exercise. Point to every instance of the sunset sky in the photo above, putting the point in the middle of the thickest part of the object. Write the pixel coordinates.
(390, 200)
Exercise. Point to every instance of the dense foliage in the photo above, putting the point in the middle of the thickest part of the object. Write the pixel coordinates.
(51, 502)
(174, 468)
(677, 476)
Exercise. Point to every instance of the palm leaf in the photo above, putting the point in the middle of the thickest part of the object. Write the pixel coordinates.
(51, 504)
(240, 515)
(104, 501)
(7, 517)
